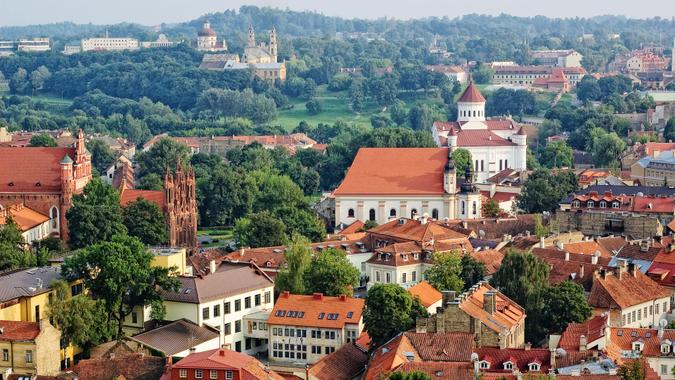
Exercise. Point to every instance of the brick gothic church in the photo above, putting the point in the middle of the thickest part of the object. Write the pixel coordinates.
(45, 179)
(178, 202)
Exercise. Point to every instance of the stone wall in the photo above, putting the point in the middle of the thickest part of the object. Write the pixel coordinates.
(594, 223)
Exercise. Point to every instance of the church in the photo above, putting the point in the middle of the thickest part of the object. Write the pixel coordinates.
(260, 53)
(495, 144)
(207, 39)
(45, 179)
(388, 183)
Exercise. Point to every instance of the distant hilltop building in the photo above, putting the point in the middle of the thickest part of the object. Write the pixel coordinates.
(25, 45)
(109, 44)
(261, 58)
(558, 58)
(207, 39)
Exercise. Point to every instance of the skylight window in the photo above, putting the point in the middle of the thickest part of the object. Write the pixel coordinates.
(321, 315)
(350, 314)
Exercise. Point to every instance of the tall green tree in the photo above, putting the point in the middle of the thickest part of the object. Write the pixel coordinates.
(120, 273)
(12, 253)
(564, 303)
(146, 221)
(556, 154)
(445, 272)
(389, 310)
(101, 155)
(414, 375)
(42, 140)
(669, 131)
(462, 158)
(162, 156)
(633, 370)
(261, 229)
(298, 257)
(82, 320)
(543, 191)
(605, 147)
(473, 271)
(96, 215)
(331, 273)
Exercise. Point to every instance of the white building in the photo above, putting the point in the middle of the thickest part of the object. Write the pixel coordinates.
(34, 226)
(559, 58)
(207, 39)
(494, 145)
(33, 45)
(109, 44)
(388, 183)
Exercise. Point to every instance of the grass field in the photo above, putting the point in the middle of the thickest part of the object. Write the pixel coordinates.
(54, 104)
(220, 236)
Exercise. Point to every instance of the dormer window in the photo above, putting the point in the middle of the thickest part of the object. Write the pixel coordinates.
(637, 346)
(534, 366)
(576, 204)
(665, 349)
(603, 204)
(590, 204)
(508, 365)
(616, 204)
(484, 364)
(416, 256)
(405, 257)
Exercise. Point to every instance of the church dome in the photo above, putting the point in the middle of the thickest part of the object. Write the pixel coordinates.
(207, 31)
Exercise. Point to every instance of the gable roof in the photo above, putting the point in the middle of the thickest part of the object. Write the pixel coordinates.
(24, 282)
(619, 289)
(480, 137)
(444, 347)
(313, 310)
(227, 359)
(506, 315)
(491, 259)
(416, 230)
(519, 357)
(620, 344)
(593, 329)
(344, 364)
(177, 336)
(24, 217)
(131, 195)
(22, 169)
(395, 171)
(427, 294)
(441, 370)
(19, 331)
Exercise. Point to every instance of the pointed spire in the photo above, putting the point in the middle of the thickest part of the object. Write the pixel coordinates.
(472, 95)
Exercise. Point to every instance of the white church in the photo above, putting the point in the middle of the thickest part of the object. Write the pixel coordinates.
(495, 144)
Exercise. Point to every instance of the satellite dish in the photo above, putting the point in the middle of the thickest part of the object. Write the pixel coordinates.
(663, 323)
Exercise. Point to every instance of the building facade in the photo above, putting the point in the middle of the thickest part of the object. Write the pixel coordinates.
(207, 39)
(303, 329)
(531, 75)
(558, 58)
(109, 44)
(45, 180)
(29, 349)
(33, 225)
(221, 363)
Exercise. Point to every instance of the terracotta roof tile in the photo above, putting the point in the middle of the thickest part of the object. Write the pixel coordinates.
(440, 370)
(131, 195)
(24, 217)
(492, 259)
(507, 314)
(353, 228)
(21, 169)
(629, 290)
(471, 95)
(227, 359)
(316, 309)
(621, 340)
(395, 171)
(19, 331)
(521, 358)
(131, 367)
(445, 347)
(427, 294)
(587, 248)
(593, 329)
(481, 137)
(343, 364)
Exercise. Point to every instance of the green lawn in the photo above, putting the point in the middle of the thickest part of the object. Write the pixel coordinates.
(220, 236)
(54, 104)
(335, 106)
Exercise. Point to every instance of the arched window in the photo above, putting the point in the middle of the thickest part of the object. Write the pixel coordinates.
(350, 213)
(413, 212)
(54, 216)
(371, 214)
(484, 365)
(434, 213)
(392, 212)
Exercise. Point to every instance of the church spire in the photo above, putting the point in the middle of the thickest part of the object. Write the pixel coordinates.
(251, 36)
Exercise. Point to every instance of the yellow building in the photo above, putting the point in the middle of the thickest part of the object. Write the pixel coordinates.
(25, 298)
(168, 258)
(29, 348)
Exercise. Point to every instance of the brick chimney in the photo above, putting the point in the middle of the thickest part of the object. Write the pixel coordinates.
(621, 268)
(318, 296)
(528, 346)
(632, 269)
(594, 258)
(490, 302)
(583, 343)
(343, 298)
(581, 271)
(286, 294)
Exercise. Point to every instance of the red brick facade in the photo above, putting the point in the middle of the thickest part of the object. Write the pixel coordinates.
(181, 207)
(45, 179)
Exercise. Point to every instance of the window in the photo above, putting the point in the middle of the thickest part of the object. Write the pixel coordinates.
(534, 367)
(213, 374)
(377, 276)
(237, 326)
(205, 313)
(434, 213)
(576, 204)
(5, 355)
(637, 346)
(247, 303)
(664, 369)
(484, 365)
(603, 204)
(248, 343)
(228, 328)
(29, 356)
(371, 214)
(268, 297)
(474, 208)
(665, 348)
(76, 289)
(237, 305)
(199, 374)
(639, 314)
(182, 373)
(508, 365)
(316, 350)
(590, 204)
(350, 213)
(482, 165)
(134, 317)
(414, 276)
(54, 215)
(615, 204)
(256, 299)
(387, 277)
(392, 212)
(237, 346)
(404, 277)
(226, 308)
(216, 310)
(463, 208)
(229, 375)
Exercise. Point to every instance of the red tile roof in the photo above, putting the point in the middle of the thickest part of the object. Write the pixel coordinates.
(415, 230)
(628, 290)
(492, 125)
(492, 259)
(344, 364)
(395, 171)
(471, 95)
(131, 367)
(131, 195)
(587, 248)
(227, 360)
(24, 217)
(593, 329)
(520, 358)
(21, 169)
(507, 314)
(440, 370)
(427, 294)
(481, 137)
(19, 331)
(621, 340)
(316, 309)
(353, 228)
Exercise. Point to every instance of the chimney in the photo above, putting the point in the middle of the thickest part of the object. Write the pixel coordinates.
(212, 266)
(594, 258)
(242, 252)
(621, 264)
(343, 298)
(448, 296)
(528, 346)
(632, 269)
(286, 294)
(490, 302)
(542, 243)
(644, 245)
(583, 342)
(318, 296)
(221, 352)
(567, 256)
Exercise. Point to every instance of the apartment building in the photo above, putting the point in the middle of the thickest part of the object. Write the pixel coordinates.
(305, 328)
(109, 44)
(531, 75)
(29, 349)
(557, 58)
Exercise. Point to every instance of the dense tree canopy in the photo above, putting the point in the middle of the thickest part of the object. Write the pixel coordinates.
(390, 309)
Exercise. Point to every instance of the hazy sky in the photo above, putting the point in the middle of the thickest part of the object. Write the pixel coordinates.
(152, 12)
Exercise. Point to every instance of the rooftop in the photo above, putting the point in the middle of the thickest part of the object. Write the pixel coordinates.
(32, 169)
(471, 95)
(18, 331)
(344, 364)
(316, 310)
(225, 359)
(176, 337)
(623, 288)
(427, 294)
(24, 217)
(27, 282)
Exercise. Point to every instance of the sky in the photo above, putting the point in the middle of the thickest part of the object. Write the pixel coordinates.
(153, 12)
